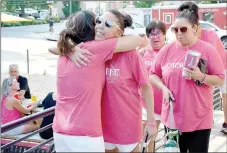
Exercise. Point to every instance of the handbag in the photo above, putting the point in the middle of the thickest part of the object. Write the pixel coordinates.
(203, 68)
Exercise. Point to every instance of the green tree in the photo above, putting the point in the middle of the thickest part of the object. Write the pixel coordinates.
(11, 5)
(75, 7)
(144, 4)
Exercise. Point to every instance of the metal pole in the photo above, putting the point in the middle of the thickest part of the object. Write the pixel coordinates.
(70, 7)
(28, 61)
(99, 8)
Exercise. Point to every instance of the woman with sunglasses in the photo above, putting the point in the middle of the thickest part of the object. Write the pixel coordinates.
(192, 103)
(121, 106)
(156, 34)
(210, 36)
(77, 121)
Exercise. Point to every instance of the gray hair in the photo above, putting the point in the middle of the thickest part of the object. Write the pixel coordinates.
(14, 66)
(6, 84)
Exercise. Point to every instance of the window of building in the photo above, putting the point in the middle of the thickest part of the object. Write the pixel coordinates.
(147, 19)
(167, 17)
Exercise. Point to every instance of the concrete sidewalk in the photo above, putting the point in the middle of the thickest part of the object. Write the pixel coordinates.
(218, 141)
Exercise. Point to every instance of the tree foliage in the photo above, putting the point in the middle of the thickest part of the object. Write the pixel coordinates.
(144, 4)
(12, 5)
(75, 7)
(208, 2)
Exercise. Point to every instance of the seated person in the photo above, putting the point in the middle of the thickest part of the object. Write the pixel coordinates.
(48, 102)
(24, 91)
(11, 108)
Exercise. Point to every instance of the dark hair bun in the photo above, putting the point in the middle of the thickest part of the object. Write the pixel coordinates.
(191, 6)
(184, 7)
(127, 21)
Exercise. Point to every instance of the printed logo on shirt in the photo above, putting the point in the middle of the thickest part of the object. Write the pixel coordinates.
(175, 65)
(148, 63)
(112, 75)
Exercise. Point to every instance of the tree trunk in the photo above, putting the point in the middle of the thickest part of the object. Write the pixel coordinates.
(22, 6)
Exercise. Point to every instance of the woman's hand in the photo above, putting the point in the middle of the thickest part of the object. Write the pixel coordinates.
(150, 129)
(33, 105)
(167, 94)
(77, 56)
(195, 73)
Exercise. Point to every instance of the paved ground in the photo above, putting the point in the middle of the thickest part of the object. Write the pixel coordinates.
(218, 141)
(31, 31)
(14, 50)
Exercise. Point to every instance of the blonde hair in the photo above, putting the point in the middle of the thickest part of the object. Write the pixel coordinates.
(6, 84)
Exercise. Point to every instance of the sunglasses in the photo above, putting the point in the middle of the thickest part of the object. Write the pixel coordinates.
(107, 23)
(182, 29)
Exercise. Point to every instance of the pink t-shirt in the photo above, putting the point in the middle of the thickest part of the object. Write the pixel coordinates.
(148, 59)
(210, 36)
(121, 106)
(193, 105)
(8, 115)
(79, 91)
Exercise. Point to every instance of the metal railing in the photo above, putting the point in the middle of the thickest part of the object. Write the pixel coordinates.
(217, 99)
(22, 121)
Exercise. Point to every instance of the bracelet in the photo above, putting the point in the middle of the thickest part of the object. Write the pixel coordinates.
(203, 80)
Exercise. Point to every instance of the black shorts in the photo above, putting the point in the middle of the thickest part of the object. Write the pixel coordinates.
(51, 24)
(196, 141)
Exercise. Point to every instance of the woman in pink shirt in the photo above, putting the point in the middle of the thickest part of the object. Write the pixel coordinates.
(210, 36)
(121, 106)
(11, 108)
(77, 121)
(193, 104)
(156, 34)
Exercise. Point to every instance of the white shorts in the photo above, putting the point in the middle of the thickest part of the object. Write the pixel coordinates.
(224, 87)
(68, 143)
(121, 148)
(144, 115)
(16, 131)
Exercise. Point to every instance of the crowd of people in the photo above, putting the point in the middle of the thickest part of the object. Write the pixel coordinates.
(113, 90)
(124, 95)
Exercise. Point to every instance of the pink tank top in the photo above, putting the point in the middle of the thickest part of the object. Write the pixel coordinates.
(8, 115)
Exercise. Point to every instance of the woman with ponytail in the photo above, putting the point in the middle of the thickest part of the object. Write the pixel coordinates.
(121, 107)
